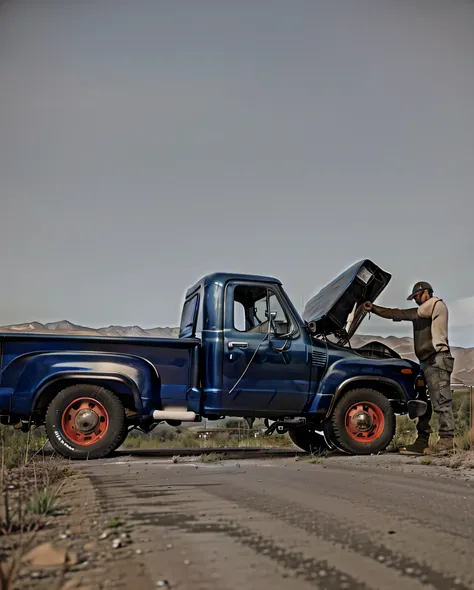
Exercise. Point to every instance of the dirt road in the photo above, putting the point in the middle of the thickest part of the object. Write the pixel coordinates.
(374, 522)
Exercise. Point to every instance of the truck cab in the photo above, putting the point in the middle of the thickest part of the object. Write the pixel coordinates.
(255, 350)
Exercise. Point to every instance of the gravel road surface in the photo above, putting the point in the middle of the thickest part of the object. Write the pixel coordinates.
(383, 522)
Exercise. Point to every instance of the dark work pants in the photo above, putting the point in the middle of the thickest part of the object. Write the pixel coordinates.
(437, 373)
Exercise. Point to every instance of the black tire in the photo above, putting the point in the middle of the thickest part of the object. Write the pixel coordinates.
(308, 440)
(340, 425)
(123, 439)
(107, 440)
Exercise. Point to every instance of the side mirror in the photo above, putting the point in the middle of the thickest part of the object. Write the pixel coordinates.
(279, 328)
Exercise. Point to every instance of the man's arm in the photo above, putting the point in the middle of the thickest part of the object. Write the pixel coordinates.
(439, 327)
(395, 314)
(437, 310)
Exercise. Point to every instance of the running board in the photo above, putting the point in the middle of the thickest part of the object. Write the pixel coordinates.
(181, 415)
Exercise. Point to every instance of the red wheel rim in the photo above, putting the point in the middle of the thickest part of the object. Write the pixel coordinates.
(85, 421)
(364, 422)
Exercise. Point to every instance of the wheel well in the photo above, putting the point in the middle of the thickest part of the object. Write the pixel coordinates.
(390, 390)
(121, 390)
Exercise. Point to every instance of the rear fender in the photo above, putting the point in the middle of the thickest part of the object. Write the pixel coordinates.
(34, 376)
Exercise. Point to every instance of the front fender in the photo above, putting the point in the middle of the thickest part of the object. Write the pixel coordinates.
(31, 374)
(384, 374)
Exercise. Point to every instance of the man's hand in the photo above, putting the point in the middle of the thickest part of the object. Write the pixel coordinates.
(368, 306)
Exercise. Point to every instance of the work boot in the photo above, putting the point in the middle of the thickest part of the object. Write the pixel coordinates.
(444, 446)
(419, 447)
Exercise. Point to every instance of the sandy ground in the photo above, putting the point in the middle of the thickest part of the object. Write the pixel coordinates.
(342, 522)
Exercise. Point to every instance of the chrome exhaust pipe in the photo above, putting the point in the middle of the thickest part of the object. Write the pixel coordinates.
(179, 414)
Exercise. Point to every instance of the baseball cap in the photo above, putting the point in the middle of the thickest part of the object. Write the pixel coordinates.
(418, 288)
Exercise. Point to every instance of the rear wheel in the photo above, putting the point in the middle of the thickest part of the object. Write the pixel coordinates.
(308, 440)
(85, 422)
(363, 422)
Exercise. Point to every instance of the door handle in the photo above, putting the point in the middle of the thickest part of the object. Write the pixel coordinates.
(238, 344)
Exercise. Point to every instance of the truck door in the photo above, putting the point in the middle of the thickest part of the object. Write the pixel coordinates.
(266, 360)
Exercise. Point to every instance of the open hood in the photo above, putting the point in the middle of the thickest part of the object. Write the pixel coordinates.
(337, 309)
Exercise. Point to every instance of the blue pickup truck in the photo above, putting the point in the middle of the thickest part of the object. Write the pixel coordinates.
(243, 350)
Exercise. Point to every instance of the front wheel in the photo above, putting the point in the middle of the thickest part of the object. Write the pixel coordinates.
(85, 422)
(363, 422)
(308, 440)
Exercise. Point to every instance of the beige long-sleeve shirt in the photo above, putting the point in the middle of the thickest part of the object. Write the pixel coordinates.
(430, 325)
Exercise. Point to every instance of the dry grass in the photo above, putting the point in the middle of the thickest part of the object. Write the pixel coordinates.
(460, 460)
(314, 458)
(405, 433)
(30, 486)
(18, 446)
(188, 439)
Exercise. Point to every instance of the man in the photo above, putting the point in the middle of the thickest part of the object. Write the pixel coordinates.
(430, 331)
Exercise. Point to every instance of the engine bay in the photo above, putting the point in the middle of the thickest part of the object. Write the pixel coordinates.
(376, 349)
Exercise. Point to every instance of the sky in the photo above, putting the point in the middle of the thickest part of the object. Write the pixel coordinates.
(145, 143)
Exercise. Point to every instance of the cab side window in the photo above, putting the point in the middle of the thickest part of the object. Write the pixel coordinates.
(252, 307)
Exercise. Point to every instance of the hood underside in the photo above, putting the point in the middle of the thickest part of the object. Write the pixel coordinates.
(337, 309)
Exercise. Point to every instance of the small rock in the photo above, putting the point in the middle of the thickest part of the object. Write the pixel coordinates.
(409, 571)
(169, 546)
(116, 543)
(163, 584)
(186, 562)
(90, 546)
(138, 551)
(46, 555)
(104, 535)
(71, 585)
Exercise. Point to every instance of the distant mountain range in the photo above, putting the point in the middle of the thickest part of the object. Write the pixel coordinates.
(65, 327)
(463, 366)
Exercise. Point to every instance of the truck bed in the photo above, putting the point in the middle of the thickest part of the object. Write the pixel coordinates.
(176, 361)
